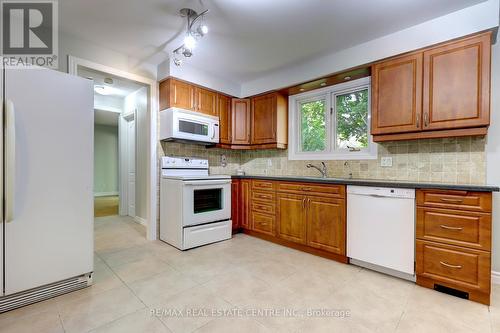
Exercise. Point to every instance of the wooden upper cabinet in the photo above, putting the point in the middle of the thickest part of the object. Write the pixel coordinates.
(175, 93)
(224, 110)
(326, 224)
(397, 95)
(269, 119)
(291, 223)
(205, 101)
(439, 92)
(457, 84)
(241, 117)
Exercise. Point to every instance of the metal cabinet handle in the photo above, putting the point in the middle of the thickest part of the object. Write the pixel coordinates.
(450, 265)
(263, 223)
(451, 228)
(308, 203)
(452, 200)
(418, 120)
(426, 119)
(306, 188)
(304, 203)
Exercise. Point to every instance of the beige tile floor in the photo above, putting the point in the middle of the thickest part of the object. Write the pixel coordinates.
(134, 276)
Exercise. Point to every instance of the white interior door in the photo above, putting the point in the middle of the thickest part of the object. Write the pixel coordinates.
(49, 236)
(131, 166)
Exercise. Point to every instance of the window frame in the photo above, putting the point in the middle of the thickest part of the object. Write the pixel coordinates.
(331, 151)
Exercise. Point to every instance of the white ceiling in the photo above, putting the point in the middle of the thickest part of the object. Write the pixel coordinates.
(122, 87)
(247, 38)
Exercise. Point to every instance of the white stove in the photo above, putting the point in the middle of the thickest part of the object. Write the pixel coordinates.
(195, 207)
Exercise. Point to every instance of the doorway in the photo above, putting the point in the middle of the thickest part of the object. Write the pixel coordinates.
(146, 145)
(120, 135)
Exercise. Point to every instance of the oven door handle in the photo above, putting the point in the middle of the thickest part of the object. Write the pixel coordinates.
(207, 182)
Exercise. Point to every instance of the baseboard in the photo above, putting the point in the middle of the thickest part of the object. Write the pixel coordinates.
(495, 277)
(105, 194)
(140, 220)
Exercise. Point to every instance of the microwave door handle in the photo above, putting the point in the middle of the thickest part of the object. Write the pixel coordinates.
(214, 127)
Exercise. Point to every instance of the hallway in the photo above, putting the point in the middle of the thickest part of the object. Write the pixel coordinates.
(106, 206)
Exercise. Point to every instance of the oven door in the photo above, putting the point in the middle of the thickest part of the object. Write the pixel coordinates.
(206, 201)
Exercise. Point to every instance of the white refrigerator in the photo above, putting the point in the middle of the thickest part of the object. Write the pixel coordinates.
(46, 229)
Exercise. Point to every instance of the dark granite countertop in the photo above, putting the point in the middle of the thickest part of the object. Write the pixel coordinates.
(378, 182)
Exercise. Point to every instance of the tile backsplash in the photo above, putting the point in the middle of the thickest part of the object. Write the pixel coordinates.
(450, 160)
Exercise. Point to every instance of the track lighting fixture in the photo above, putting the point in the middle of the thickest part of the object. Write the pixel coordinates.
(196, 28)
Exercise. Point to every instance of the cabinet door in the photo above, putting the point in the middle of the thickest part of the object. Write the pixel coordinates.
(263, 223)
(291, 224)
(457, 84)
(235, 203)
(205, 101)
(397, 95)
(181, 95)
(244, 203)
(264, 119)
(326, 224)
(224, 106)
(240, 121)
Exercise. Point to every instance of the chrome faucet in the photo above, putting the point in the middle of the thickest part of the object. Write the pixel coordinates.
(324, 172)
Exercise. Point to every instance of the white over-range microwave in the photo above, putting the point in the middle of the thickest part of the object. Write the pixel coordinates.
(183, 125)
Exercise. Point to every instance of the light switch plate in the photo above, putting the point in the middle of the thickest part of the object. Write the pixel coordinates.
(386, 162)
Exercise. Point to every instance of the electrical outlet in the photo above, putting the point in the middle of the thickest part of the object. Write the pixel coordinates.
(386, 162)
(223, 160)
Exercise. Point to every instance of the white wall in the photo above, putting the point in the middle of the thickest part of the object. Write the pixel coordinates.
(195, 75)
(105, 160)
(108, 102)
(493, 152)
(70, 45)
(137, 102)
(460, 23)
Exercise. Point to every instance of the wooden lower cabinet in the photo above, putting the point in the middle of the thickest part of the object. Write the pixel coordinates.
(291, 217)
(326, 224)
(235, 204)
(455, 267)
(454, 242)
(244, 210)
(306, 216)
(263, 223)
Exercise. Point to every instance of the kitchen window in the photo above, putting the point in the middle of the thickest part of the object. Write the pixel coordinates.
(332, 123)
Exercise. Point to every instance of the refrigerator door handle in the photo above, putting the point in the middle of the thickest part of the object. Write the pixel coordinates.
(10, 160)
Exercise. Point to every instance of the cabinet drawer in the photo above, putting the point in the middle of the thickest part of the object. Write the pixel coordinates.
(263, 223)
(263, 208)
(463, 200)
(263, 185)
(309, 188)
(455, 266)
(265, 196)
(454, 227)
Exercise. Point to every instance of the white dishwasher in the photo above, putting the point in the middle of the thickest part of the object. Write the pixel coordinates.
(381, 229)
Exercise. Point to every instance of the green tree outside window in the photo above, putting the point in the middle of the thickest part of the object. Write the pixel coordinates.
(352, 119)
(313, 126)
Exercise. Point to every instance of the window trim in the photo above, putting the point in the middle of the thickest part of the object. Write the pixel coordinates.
(331, 152)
